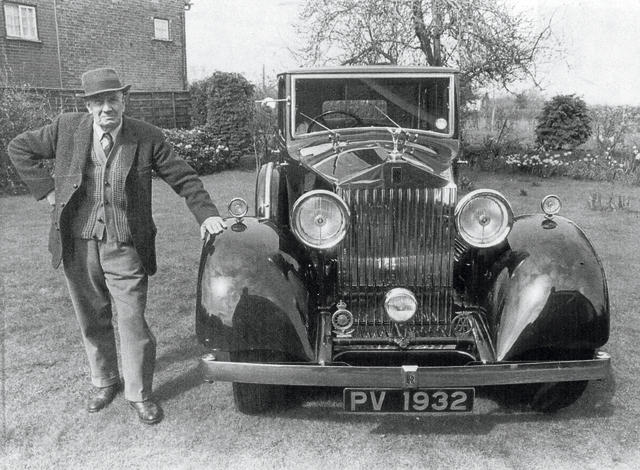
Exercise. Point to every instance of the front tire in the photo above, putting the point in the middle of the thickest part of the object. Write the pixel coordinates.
(252, 399)
(545, 397)
(551, 397)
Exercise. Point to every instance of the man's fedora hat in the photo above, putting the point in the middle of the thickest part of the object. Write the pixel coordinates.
(99, 81)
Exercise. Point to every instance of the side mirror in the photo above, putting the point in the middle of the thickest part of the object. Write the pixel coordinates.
(268, 103)
(271, 102)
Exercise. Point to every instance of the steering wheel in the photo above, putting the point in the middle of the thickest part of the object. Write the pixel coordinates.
(320, 118)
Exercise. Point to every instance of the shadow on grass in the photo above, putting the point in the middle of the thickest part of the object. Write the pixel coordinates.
(179, 385)
(595, 403)
(185, 350)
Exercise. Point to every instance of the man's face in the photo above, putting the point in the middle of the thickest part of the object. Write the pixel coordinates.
(107, 109)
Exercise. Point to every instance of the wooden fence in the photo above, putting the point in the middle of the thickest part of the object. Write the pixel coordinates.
(166, 109)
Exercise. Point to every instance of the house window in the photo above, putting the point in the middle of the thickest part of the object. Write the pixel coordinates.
(161, 29)
(20, 21)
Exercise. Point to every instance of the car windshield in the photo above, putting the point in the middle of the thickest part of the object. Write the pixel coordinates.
(337, 102)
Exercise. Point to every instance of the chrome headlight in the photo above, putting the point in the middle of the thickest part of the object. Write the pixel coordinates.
(484, 218)
(320, 219)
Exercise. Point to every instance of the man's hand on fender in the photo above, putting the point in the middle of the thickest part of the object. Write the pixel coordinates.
(212, 225)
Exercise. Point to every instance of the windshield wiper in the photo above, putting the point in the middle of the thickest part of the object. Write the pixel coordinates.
(335, 137)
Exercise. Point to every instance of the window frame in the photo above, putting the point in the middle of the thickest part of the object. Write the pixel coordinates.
(359, 75)
(21, 8)
(155, 29)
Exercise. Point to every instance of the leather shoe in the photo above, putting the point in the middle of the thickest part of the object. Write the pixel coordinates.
(101, 397)
(148, 411)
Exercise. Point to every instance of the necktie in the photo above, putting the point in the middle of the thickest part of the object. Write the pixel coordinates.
(107, 142)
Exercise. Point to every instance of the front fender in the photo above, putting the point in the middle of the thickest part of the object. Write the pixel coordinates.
(551, 292)
(252, 293)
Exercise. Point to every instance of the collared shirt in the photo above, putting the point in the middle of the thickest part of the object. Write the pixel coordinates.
(98, 132)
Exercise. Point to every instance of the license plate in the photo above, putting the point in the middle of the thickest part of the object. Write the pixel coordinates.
(426, 400)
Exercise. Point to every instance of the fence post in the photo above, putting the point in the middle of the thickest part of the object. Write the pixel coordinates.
(173, 104)
(154, 119)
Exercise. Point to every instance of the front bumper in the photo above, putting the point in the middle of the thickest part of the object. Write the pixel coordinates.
(406, 376)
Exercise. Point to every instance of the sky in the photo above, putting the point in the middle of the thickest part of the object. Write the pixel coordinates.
(600, 38)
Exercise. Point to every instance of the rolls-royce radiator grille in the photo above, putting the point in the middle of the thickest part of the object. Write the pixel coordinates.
(398, 238)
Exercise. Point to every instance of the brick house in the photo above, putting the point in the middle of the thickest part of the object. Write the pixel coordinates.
(50, 43)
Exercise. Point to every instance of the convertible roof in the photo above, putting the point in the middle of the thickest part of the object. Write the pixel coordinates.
(370, 69)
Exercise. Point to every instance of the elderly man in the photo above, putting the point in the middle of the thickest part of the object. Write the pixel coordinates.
(102, 228)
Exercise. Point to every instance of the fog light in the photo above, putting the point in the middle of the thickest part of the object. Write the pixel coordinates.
(551, 204)
(400, 304)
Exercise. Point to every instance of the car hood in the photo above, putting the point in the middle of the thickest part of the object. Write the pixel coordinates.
(368, 160)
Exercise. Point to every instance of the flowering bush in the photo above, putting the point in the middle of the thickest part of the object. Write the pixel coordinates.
(205, 151)
(542, 163)
(609, 165)
(614, 127)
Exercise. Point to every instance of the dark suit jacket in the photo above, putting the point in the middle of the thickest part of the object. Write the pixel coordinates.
(68, 139)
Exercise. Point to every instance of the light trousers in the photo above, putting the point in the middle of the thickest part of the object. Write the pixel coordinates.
(101, 276)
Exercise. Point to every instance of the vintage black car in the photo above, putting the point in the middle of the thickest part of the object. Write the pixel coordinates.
(364, 269)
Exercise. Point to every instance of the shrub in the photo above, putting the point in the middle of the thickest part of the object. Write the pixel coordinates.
(564, 123)
(228, 101)
(20, 110)
(198, 94)
(199, 148)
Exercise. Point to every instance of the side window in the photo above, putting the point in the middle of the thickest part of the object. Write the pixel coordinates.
(20, 21)
(161, 29)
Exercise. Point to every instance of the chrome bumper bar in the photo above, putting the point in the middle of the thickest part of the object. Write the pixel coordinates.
(406, 376)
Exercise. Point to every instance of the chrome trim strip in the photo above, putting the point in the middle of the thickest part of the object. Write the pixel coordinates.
(394, 377)
(267, 191)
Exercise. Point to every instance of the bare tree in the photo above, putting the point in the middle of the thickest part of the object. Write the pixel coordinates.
(483, 38)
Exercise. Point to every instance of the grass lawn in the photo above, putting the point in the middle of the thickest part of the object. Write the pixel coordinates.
(46, 380)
